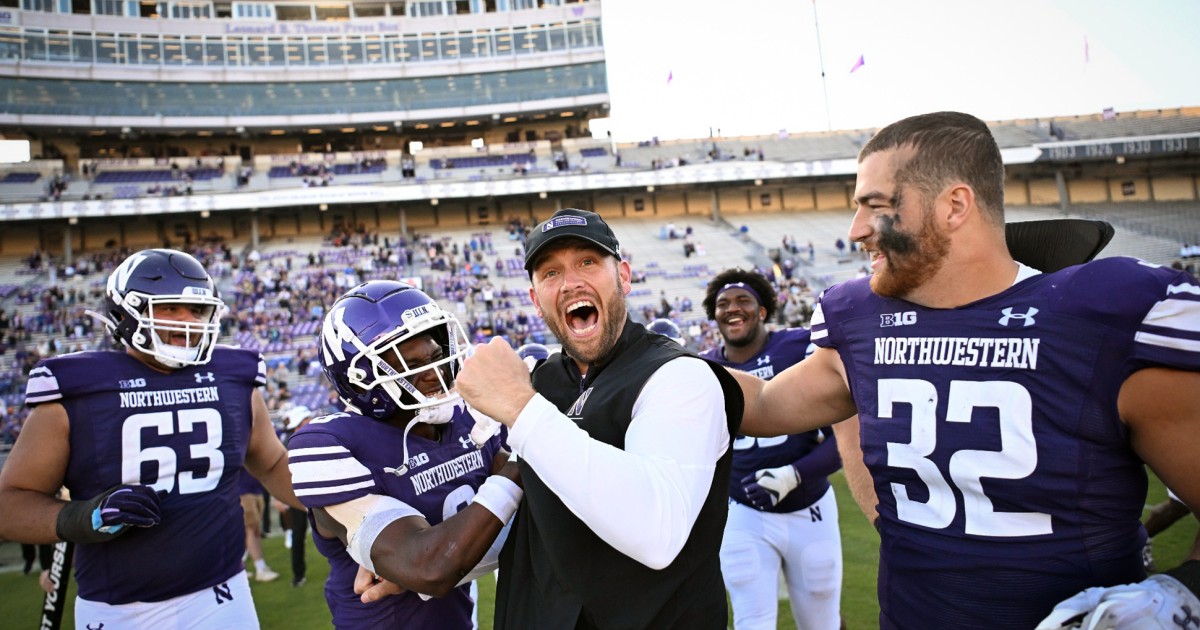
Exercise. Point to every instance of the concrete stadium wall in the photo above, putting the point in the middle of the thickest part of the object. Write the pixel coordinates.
(833, 197)
(19, 238)
(1087, 191)
(96, 234)
(766, 199)
(1043, 192)
(799, 198)
(1141, 189)
(452, 214)
(420, 216)
(670, 204)
(608, 206)
(699, 203)
(142, 234)
(1173, 188)
(1016, 193)
(733, 201)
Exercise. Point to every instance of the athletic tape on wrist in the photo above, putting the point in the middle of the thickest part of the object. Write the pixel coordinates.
(380, 516)
(500, 496)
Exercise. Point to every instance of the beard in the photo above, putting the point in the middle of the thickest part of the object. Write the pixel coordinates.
(747, 338)
(912, 259)
(613, 321)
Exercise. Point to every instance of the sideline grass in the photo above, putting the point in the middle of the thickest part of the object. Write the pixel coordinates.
(281, 607)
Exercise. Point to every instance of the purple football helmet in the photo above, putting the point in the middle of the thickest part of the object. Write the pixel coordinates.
(154, 277)
(666, 328)
(533, 354)
(374, 318)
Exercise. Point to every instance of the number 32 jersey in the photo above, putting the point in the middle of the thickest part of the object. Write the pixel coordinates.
(183, 432)
(1005, 477)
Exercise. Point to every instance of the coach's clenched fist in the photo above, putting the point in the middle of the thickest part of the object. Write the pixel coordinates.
(495, 380)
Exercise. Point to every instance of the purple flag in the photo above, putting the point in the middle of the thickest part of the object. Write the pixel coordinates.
(858, 64)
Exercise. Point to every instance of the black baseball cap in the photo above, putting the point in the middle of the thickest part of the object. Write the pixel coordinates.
(570, 222)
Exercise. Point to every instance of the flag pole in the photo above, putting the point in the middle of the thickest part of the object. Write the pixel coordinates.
(821, 60)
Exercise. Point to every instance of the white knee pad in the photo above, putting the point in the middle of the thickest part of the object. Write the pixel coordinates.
(739, 563)
(821, 576)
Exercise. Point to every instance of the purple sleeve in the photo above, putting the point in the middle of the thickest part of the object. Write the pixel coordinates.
(822, 461)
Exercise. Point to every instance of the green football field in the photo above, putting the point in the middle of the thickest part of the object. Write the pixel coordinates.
(282, 607)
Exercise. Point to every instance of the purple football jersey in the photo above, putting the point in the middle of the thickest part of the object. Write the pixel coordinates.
(784, 348)
(343, 456)
(1005, 478)
(184, 433)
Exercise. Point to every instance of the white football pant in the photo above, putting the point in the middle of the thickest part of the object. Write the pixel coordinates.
(807, 546)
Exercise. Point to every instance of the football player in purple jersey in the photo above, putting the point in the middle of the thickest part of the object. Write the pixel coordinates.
(1005, 414)
(395, 484)
(150, 442)
(782, 510)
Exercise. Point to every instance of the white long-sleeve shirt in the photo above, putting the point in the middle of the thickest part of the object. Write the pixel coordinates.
(642, 500)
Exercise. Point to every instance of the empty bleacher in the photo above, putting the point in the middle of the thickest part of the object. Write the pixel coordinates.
(1125, 125)
(148, 176)
(484, 161)
(20, 177)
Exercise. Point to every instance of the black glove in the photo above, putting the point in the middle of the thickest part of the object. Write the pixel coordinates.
(109, 514)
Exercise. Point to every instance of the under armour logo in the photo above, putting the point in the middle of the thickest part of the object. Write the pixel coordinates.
(764, 360)
(223, 593)
(99, 627)
(465, 441)
(200, 378)
(1188, 620)
(1027, 316)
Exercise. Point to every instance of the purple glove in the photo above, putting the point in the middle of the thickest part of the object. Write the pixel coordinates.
(109, 514)
(127, 505)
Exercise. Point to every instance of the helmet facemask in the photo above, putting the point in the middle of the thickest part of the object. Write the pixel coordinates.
(152, 334)
(369, 369)
(140, 289)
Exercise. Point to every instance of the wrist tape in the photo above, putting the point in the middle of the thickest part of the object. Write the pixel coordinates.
(500, 496)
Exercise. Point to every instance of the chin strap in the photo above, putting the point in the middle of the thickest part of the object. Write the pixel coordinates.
(403, 468)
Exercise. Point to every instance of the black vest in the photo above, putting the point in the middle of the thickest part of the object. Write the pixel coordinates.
(555, 572)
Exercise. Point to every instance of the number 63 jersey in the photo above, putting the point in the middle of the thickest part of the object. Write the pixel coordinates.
(183, 432)
(1005, 477)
